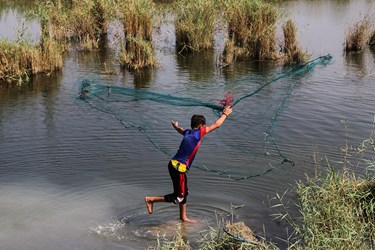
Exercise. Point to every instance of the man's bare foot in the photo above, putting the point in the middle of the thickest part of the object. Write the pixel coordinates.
(186, 219)
(149, 205)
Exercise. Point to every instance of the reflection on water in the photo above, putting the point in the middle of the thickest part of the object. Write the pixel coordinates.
(72, 177)
(200, 65)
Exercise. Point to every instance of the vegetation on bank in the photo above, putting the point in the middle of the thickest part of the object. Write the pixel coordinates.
(250, 26)
(337, 207)
(83, 25)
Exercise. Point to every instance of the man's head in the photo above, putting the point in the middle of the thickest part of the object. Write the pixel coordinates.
(197, 121)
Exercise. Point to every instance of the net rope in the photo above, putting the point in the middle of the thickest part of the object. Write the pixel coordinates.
(111, 99)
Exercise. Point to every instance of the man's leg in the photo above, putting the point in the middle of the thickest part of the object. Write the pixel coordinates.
(183, 216)
(149, 200)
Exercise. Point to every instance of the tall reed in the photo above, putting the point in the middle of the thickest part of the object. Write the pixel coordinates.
(15, 62)
(136, 50)
(47, 57)
(79, 23)
(293, 54)
(251, 27)
(87, 24)
(19, 61)
(136, 54)
(194, 24)
(357, 35)
(136, 17)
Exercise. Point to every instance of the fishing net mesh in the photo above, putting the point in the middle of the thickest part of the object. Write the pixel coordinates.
(257, 103)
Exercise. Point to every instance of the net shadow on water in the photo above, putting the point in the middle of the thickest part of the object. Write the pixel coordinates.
(254, 119)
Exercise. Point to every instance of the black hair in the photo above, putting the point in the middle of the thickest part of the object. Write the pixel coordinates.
(197, 120)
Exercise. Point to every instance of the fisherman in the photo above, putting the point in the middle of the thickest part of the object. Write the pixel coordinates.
(180, 164)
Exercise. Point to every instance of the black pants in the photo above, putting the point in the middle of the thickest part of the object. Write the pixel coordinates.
(180, 188)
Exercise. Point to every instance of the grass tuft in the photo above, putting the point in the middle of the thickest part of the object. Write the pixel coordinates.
(137, 51)
(252, 28)
(19, 61)
(357, 36)
(293, 54)
(194, 24)
(337, 207)
(136, 54)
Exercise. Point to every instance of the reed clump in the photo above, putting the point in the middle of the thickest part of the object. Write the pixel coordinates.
(79, 23)
(292, 52)
(47, 57)
(136, 50)
(194, 24)
(137, 54)
(15, 62)
(136, 17)
(20, 61)
(358, 35)
(87, 24)
(251, 29)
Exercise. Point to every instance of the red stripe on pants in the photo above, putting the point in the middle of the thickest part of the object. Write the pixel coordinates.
(181, 188)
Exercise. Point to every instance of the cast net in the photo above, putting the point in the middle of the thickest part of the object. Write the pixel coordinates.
(247, 144)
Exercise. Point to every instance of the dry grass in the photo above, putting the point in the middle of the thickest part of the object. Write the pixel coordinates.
(79, 23)
(136, 54)
(136, 17)
(293, 54)
(252, 27)
(357, 36)
(15, 62)
(19, 61)
(47, 57)
(194, 23)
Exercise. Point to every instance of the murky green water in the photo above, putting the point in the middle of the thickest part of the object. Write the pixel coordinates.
(72, 177)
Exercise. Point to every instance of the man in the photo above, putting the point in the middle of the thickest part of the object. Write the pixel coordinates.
(181, 162)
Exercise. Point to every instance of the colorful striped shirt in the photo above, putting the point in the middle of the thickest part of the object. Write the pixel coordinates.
(189, 146)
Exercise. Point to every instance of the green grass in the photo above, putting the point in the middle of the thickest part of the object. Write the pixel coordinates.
(194, 24)
(251, 28)
(337, 206)
(136, 54)
(137, 50)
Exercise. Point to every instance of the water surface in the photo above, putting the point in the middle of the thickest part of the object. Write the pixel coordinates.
(72, 177)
